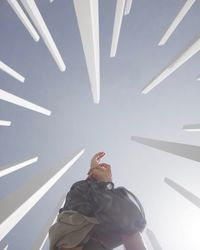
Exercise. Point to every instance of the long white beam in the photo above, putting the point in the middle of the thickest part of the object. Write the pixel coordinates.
(10, 222)
(17, 167)
(128, 7)
(198, 78)
(184, 150)
(184, 57)
(5, 123)
(192, 128)
(87, 13)
(24, 19)
(39, 23)
(51, 221)
(119, 13)
(6, 247)
(5, 96)
(184, 192)
(153, 239)
(176, 21)
(11, 72)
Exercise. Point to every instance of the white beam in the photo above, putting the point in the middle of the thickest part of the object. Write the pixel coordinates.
(184, 57)
(24, 19)
(87, 13)
(11, 72)
(17, 167)
(5, 123)
(191, 152)
(39, 23)
(128, 7)
(195, 200)
(5, 96)
(176, 21)
(153, 239)
(192, 128)
(50, 222)
(119, 13)
(6, 247)
(198, 78)
(9, 223)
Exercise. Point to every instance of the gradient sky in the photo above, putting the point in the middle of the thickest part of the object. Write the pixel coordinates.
(76, 122)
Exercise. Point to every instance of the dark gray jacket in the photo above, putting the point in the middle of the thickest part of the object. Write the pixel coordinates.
(117, 209)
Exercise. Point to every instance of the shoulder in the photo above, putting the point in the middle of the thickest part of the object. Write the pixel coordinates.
(79, 184)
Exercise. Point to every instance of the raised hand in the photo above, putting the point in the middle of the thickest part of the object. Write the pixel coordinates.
(101, 173)
(96, 159)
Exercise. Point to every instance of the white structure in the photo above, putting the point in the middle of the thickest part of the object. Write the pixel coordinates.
(11, 72)
(24, 19)
(184, 57)
(128, 7)
(39, 23)
(5, 123)
(87, 12)
(5, 96)
(176, 21)
(119, 13)
(9, 223)
(192, 128)
(17, 167)
(153, 239)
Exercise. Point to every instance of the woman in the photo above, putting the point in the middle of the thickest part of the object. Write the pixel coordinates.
(97, 216)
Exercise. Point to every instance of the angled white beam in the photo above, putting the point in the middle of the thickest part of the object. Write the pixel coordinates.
(182, 191)
(17, 167)
(176, 21)
(6, 247)
(9, 223)
(5, 96)
(119, 13)
(87, 13)
(39, 23)
(198, 78)
(192, 128)
(5, 123)
(184, 150)
(51, 1)
(185, 56)
(24, 19)
(154, 241)
(44, 234)
(11, 72)
(128, 7)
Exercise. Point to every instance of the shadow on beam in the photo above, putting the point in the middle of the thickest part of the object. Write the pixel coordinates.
(191, 152)
(182, 191)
